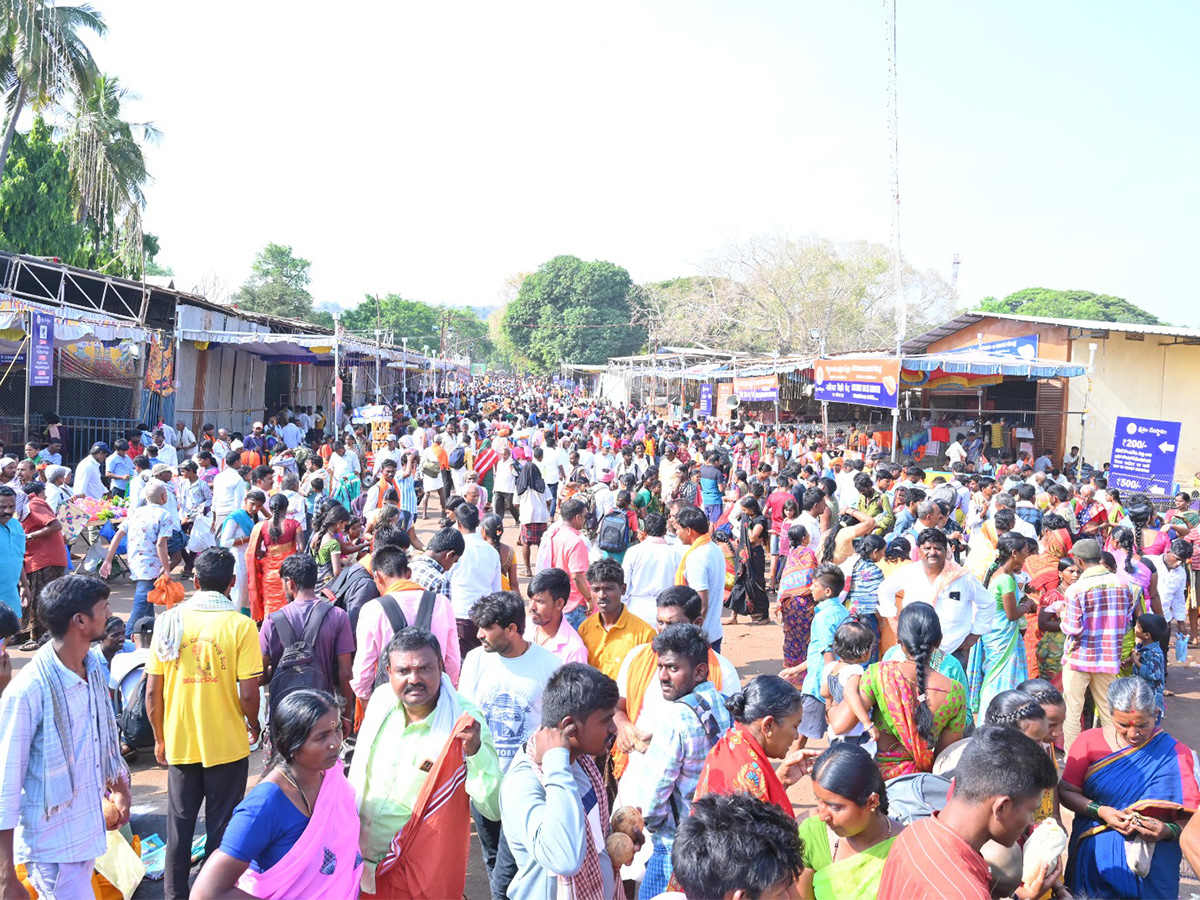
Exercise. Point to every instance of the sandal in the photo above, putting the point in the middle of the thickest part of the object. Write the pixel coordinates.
(29, 646)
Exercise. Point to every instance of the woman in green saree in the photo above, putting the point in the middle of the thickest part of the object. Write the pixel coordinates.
(848, 838)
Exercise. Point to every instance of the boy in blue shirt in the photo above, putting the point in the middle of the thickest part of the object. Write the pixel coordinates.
(827, 586)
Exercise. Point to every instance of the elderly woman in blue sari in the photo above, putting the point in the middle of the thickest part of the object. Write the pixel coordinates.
(997, 662)
(1132, 787)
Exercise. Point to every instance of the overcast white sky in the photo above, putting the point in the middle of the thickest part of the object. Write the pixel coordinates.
(433, 149)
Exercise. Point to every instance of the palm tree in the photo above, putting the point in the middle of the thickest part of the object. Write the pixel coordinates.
(42, 55)
(106, 156)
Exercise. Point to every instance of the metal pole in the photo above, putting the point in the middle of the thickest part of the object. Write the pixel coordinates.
(1087, 399)
(378, 375)
(28, 367)
(404, 376)
(337, 401)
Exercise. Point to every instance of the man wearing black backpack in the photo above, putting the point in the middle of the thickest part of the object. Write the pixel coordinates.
(308, 643)
(401, 603)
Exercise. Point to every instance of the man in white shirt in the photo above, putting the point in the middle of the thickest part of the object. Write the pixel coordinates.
(650, 568)
(166, 453)
(603, 495)
(812, 507)
(956, 452)
(475, 575)
(291, 434)
(88, 473)
(703, 570)
(125, 670)
(185, 441)
(505, 486)
(963, 605)
(390, 452)
(228, 489)
(555, 466)
(505, 677)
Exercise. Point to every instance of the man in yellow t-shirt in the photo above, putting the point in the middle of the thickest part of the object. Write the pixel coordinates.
(613, 631)
(202, 698)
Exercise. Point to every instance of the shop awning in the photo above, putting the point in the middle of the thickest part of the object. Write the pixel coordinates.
(292, 348)
(979, 363)
(70, 325)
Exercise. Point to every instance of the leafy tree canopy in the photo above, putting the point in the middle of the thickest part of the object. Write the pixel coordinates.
(37, 198)
(422, 323)
(1069, 305)
(575, 311)
(278, 284)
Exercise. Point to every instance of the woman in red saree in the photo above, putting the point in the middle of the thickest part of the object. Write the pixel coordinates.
(1042, 570)
(271, 542)
(795, 606)
(766, 721)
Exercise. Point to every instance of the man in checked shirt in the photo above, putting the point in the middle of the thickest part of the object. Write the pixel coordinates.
(1099, 609)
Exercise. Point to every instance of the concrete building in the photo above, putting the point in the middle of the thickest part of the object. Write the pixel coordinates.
(1138, 370)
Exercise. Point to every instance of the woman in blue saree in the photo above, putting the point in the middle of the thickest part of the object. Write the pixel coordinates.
(1131, 786)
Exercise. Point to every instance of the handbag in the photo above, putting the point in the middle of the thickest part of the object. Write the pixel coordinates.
(166, 592)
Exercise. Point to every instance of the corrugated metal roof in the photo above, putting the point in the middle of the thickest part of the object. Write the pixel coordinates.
(963, 320)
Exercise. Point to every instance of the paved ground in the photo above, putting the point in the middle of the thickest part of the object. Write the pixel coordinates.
(754, 651)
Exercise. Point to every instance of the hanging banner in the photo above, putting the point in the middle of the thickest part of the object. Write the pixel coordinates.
(706, 400)
(1143, 455)
(863, 381)
(760, 387)
(41, 367)
(724, 392)
(478, 369)
(1024, 346)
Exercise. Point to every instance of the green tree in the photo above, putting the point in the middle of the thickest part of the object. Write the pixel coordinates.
(42, 56)
(37, 204)
(1069, 305)
(574, 311)
(278, 284)
(412, 319)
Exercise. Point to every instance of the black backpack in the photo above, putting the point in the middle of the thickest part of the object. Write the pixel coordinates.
(396, 618)
(613, 535)
(457, 458)
(133, 720)
(339, 589)
(298, 668)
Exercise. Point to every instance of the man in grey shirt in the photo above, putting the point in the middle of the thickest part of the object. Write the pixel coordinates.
(552, 800)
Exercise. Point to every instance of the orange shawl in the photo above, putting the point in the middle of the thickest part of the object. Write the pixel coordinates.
(641, 670)
(680, 577)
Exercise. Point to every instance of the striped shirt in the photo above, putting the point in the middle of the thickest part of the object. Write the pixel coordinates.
(863, 598)
(930, 860)
(1098, 613)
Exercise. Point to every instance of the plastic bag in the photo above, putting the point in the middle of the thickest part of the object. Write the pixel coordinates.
(121, 865)
(166, 592)
(202, 537)
(93, 559)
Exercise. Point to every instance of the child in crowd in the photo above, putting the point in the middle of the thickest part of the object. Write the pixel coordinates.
(854, 644)
(1149, 661)
(827, 586)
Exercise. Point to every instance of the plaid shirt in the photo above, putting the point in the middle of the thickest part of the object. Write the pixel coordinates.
(430, 575)
(1098, 613)
(674, 762)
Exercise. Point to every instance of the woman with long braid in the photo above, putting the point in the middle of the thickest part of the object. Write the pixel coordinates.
(920, 710)
(998, 662)
(271, 542)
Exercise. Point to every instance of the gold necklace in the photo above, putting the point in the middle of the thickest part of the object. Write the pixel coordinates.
(303, 797)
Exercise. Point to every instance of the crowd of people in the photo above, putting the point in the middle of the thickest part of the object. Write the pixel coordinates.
(981, 648)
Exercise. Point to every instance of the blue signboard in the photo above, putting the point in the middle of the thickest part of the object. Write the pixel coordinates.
(41, 370)
(706, 400)
(1024, 346)
(1143, 455)
(864, 381)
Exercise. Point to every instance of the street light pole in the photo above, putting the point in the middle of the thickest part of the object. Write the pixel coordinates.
(404, 376)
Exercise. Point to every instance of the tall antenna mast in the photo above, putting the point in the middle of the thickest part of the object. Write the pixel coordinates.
(893, 120)
(954, 275)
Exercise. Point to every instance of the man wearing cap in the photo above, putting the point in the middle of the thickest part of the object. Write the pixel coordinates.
(1095, 619)
(257, 441)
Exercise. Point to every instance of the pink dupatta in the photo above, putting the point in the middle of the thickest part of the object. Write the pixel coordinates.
(325, 861)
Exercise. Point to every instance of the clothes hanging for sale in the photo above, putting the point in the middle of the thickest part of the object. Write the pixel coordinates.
(883, 439)
(939, 433)
(997, 435)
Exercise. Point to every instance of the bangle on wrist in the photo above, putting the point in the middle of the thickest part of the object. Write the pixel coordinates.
(1093, 809)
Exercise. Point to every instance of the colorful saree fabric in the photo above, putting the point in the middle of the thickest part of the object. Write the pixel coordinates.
(796, 607)
(325, 861)
(263, 559)
(997, 661)
(1159, 778)
(856, 878)
(896, 701)
(737, 764)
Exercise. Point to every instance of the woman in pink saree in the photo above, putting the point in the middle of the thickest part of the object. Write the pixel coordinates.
(296, 832)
